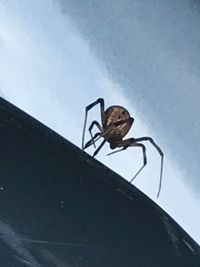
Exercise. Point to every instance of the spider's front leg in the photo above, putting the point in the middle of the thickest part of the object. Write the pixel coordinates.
(98, 101)
(90, 130)
(92, 140)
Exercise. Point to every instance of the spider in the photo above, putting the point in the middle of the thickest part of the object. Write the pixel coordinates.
(115, 124)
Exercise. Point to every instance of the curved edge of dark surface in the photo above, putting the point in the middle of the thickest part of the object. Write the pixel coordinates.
(61, 207)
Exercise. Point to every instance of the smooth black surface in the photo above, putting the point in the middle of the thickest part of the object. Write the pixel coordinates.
(60, 207)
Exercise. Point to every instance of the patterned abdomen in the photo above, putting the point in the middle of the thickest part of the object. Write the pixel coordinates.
(112, 115)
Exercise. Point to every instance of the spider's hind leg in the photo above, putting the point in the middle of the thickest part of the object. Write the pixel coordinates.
(147, 138)
(131, 142)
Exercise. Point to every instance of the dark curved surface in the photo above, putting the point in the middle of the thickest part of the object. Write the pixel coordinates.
(60, 207)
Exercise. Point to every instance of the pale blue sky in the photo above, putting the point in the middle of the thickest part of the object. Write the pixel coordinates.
(52, 71)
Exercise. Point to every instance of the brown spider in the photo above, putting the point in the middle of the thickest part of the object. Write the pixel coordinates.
(116, 122)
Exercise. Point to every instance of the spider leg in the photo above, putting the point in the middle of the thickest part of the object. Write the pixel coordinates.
(146, 138)
(90, 130)
(144, 160)
(98, 101)
(92, 140)
(98, 149)
(131, 142)
(103, 133)
(116, 151)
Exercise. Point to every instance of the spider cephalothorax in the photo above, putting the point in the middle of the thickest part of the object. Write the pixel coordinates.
(115, 124)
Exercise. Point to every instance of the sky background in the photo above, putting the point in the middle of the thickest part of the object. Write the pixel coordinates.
(56, 57)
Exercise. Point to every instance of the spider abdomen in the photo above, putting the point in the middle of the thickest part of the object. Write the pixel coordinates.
(112, 115)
